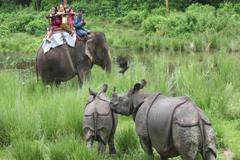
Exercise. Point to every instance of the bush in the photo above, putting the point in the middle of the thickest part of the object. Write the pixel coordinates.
(19, 24)
(159, 11)
(152, 23)
(37, 26)
(136, 17)
(4, 31)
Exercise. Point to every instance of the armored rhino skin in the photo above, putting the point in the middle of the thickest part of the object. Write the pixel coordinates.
(99, 121)
(172, 125)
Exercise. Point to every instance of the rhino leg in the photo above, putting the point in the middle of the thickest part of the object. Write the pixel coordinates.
(210, 143)
(90, 143)
(111, 145)
(101, 146)
(210, 155)
(146, 145)
(187, 141)
(163, 158)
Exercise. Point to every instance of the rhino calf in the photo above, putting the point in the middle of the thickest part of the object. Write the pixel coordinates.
(172, 125)
(99, 121)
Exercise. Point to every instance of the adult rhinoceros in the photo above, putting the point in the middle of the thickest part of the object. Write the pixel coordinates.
(172, 125)
(64, 62)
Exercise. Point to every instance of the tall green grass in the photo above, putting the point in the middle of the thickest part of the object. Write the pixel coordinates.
(38, 122)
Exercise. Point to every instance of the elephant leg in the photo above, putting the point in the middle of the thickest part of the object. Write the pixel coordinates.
(112, 149)
(146, 145)
(90, 143)
(101, 146)
(88, 76)
(83, 73)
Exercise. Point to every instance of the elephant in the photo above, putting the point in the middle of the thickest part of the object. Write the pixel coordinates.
(174, 126)
(64, 62)
(99, 122)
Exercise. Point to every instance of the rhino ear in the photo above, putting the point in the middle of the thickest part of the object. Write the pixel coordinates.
(143, 83)
(94, 94)
(114, 94)
(104, 88)
(137, 87)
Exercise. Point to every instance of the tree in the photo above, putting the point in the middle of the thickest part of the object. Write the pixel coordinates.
(167, 6)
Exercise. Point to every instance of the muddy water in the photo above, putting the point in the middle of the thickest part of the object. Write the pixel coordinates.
(14, 63)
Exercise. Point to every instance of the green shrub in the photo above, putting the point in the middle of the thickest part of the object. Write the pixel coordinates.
(152, 23)
(4, 31)
(19, 24)
(159, 11)
(136, 17)
(37, 26)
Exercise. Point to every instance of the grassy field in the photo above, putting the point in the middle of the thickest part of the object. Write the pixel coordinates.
(38, 122)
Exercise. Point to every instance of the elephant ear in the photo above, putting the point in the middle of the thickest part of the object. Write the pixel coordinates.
(92, 93)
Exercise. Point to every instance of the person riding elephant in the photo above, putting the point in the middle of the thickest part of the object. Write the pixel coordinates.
(64, 62)
(79, 23)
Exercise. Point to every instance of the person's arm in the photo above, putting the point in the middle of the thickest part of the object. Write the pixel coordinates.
(83, 21)
(77, 24)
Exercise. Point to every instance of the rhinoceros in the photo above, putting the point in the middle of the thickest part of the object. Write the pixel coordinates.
(100, 122)
(172, 125)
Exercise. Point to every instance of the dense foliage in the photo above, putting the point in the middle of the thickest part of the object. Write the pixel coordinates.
(177, 31)
(113, 5)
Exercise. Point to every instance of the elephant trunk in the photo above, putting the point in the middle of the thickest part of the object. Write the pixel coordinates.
(108, 63)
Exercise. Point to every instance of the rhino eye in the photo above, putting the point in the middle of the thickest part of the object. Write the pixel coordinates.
(120, 99)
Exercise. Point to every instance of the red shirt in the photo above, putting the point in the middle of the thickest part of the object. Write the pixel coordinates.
(56, 21)
(71, 18)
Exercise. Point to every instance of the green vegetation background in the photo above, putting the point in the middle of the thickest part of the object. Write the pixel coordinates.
(193, 51)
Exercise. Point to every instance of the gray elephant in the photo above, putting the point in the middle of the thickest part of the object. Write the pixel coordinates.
(99, 121)
(63, 63)
(172, 125)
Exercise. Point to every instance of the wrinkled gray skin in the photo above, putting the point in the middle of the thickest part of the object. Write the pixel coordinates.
(64, 62)
(185, 141)
(99, 121)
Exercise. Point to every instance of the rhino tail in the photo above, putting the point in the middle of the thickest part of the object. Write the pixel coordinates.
(95, 119)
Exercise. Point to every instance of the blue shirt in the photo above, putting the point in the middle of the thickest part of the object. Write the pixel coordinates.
(78, 22)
